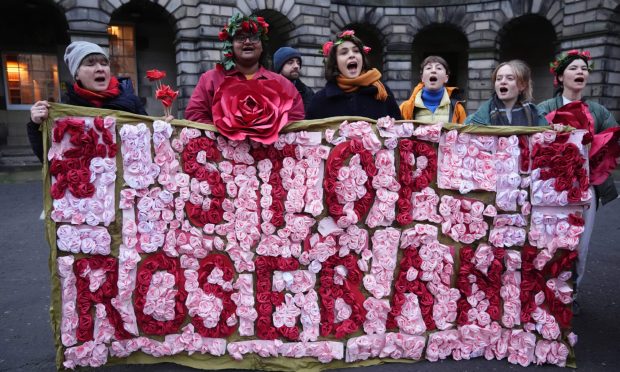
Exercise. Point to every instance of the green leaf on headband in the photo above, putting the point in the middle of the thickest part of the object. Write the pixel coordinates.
(229, 64)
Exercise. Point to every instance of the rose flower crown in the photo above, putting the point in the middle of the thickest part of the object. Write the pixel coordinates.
(565, 58)
(238, 23)
(346, 35)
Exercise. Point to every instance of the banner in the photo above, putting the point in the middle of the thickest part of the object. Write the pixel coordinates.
(345, 243)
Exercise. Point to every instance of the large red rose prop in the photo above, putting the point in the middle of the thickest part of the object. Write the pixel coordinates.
(576, 114)
(256, 109)
(604, 150)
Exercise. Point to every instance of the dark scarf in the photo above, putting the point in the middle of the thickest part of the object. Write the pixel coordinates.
(98, 98)
(523, 113)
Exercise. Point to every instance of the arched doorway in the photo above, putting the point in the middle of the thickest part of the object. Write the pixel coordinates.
(142, 37)
(279, 33)
(532, 39)
(448, 42)
(371, 38)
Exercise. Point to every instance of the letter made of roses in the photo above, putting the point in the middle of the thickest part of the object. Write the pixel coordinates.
(222, 262)
(148, 324)
(86, 300)
(267, 299)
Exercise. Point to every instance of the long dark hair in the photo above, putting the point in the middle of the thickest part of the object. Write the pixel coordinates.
(331, 63)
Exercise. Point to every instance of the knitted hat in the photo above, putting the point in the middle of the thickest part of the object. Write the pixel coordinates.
(77, 50)
(282, 55)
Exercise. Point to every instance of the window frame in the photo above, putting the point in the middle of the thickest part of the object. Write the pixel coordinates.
(5, 75)
(136, 82)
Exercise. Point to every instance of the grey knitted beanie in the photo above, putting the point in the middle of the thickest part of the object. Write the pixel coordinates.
(77, 50)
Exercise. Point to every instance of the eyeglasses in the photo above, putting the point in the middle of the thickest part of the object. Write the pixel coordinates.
(241, 38)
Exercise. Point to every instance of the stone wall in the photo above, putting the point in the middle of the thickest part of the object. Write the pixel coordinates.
(577, 24)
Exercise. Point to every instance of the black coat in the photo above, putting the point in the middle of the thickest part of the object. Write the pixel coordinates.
(125, 101)
(333, 101)
(305, 91)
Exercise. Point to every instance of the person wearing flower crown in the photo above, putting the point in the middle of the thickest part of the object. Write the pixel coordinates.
(510, 103)
(94, 86)
(431, 101)
(571, 72)
(244, 38)
(353, 88)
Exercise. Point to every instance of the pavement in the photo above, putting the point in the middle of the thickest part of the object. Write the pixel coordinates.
(26, 342)
(17, 159)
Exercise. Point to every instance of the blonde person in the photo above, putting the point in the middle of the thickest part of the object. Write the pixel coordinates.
(353, 88)
(510, 103)
(431, 101)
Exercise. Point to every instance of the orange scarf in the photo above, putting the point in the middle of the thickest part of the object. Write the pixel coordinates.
(367, 78)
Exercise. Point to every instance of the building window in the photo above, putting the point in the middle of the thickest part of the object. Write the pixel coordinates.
(29, 78)
(123, 52)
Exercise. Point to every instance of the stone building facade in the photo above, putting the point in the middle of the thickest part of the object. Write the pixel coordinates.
(180, 36)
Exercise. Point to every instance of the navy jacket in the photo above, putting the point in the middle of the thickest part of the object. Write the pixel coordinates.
(305, 91)
(333, 101)
(125, 101)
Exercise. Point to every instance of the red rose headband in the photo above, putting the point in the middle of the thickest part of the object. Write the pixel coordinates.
(558, 66)
(346, 35)
(251, 25)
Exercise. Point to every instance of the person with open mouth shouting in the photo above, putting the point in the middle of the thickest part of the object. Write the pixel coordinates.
(571, 71)
(94, 86)
(431, 101)
(243, 59)
(510, 103)
(353, 88)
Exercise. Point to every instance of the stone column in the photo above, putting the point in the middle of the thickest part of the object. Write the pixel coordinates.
(311, 31)
(480, 66)
(397, 70)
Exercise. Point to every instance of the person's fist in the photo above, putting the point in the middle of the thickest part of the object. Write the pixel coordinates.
(39, 111)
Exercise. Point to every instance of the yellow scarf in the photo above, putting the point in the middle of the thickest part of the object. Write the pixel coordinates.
(367, 78)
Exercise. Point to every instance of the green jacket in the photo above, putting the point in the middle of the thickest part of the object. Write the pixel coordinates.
(482, 115)
(603, 119)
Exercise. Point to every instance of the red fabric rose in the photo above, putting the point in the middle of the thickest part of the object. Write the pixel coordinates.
(154, 75)
(255, 109)
(576, 114)
(82, 190)
(166, 95)
(603, 154)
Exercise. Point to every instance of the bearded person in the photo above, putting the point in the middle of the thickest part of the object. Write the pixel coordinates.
(287, 62)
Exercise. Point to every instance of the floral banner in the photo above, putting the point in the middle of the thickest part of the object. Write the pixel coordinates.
(345, 243)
